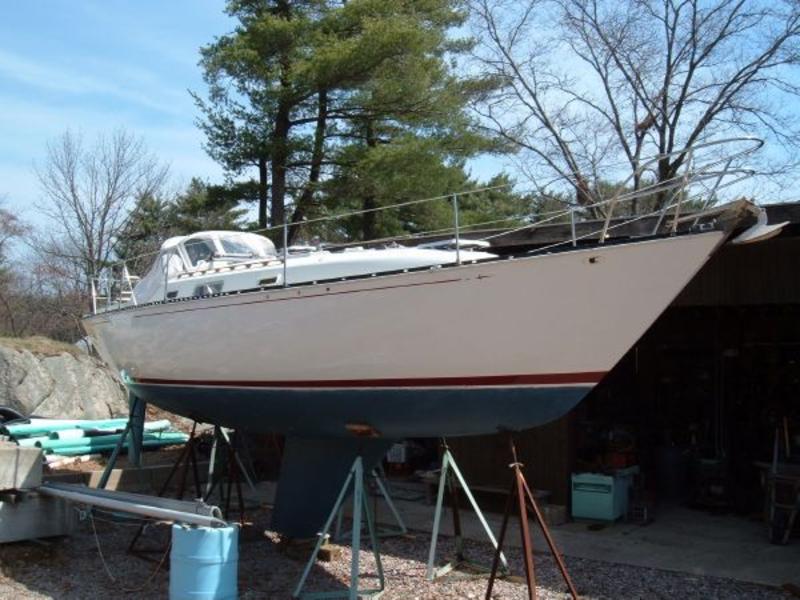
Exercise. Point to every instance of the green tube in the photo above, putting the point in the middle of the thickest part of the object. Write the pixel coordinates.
(161, 425)
(70, 434)
(67, 434)
(47, 426)
(79, 450)
(104, 440)
(49, 444)
(152, 426)
(31, 442)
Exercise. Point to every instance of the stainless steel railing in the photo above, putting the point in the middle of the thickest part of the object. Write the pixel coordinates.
(721, 168)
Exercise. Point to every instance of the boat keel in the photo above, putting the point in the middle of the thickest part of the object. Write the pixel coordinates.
(312, 473)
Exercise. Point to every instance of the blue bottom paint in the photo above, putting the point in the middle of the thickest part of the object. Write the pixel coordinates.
(319, 449)
(395, 413)
(204, 563)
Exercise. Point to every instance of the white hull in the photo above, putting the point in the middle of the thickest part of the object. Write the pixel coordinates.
(537, 322)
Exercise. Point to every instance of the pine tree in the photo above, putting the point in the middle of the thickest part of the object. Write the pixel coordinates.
(351, 104)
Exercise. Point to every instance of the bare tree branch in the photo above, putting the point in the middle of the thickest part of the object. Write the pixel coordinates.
(591, 83)
(87, 195)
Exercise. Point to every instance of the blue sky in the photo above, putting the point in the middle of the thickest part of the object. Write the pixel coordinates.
(93, 66)
(96, 65)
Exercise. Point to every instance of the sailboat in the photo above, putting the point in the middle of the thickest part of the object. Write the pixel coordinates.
(348, 349)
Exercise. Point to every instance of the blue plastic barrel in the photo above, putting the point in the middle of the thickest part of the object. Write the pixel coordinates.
(204, 563)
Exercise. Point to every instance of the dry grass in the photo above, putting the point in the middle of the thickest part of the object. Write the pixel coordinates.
(39, 345)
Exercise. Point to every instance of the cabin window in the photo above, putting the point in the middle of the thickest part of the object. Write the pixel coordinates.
(235, 247)
(199, 250)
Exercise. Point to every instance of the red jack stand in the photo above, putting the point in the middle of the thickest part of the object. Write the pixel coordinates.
(520, 490)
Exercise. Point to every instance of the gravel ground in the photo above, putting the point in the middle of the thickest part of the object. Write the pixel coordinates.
(71, 568)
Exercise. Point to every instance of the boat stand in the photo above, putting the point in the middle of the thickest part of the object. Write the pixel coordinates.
(231, 473)
(225, 479)
(450, 473)
(133, 429)
(379, 476)
(187, 458)
(356, 478)
(520, 490)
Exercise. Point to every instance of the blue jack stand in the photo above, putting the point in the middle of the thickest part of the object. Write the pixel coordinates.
(360, 509)
(448, 476)
(379, 476)
(133, 428)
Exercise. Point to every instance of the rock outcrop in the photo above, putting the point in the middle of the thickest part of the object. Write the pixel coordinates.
(47, 379)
